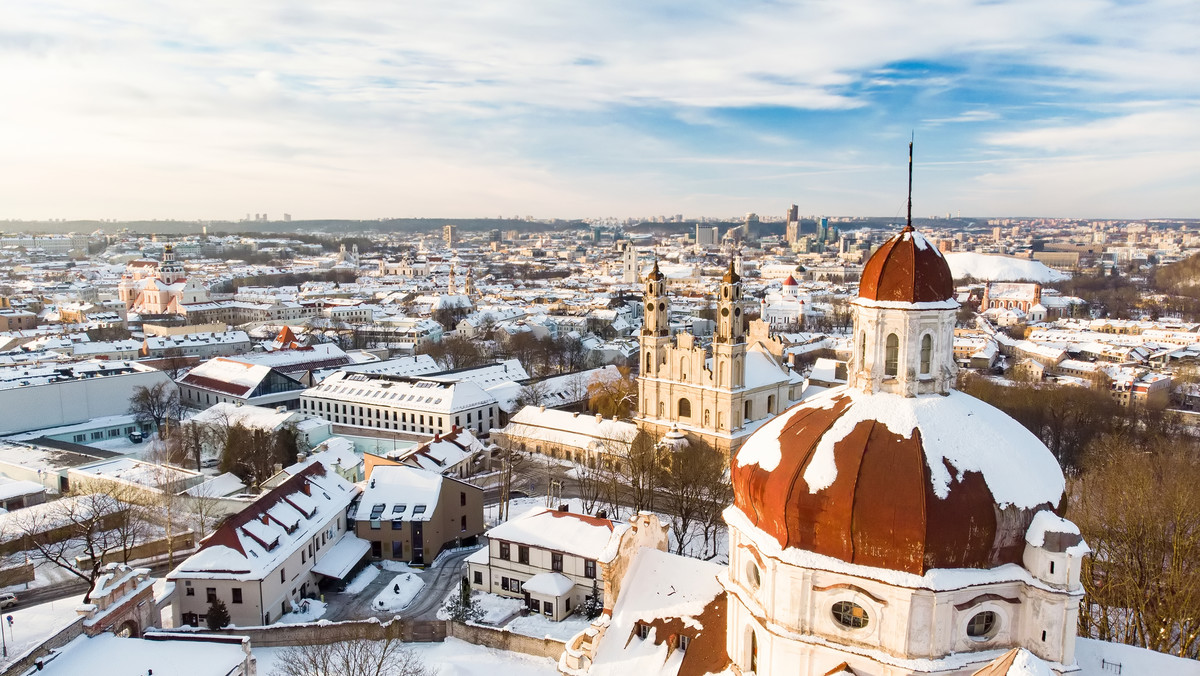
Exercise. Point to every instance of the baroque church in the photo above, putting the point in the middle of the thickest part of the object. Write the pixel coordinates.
(719, 397)
(892, 526)
(154, 288)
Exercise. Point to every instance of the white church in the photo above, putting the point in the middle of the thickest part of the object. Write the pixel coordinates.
(892, 526)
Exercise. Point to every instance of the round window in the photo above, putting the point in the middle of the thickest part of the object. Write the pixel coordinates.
(850, 614)
(649, 307)
(662, 306)
(983, 625)
(752, 576)
(737, 312)
(724, 312)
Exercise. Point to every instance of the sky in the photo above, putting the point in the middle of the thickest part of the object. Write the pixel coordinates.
(132, 109)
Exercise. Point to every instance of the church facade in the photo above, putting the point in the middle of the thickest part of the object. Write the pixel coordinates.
(719, 397)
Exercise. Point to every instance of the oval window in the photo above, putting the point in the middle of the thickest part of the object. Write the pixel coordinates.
(662, 306)
(649, 307)
(982, 625)
(752, 575)
(724, 312)
(850, 614)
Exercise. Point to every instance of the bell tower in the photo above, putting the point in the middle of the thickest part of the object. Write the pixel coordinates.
(729, 342)
(655, 338)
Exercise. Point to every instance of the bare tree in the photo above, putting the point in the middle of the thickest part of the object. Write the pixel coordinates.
(360, 657)
(252, 453)
(87, 526)
(613, 397)
(690, 477)
(640, 471)
(1137, 507)
(533, 394)
(590, 477)
(156, 404)
(512, 457)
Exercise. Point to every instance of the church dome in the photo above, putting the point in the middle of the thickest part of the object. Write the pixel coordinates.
(902, 483)
(907, 269)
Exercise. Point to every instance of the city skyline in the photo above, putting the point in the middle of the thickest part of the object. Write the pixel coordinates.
(1081, 108)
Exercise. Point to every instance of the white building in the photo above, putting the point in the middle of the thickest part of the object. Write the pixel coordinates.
(265, 559)
(36, 397)
(412, 405)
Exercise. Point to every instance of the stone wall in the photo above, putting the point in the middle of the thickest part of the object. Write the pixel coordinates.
(17, 574)
(506, 640)
(22, 663)
(321, 633)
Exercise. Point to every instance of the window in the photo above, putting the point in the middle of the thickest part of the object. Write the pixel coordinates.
(515, 585)
(556, 562)
(589, 569)
(753, 660)
(548, 607)
(749, 411)
(684, 642)
(892, 355)
(753, 578)
(862, 349)
(643, 630)
(375, 524)
(850, 614)
(283, 575)
(685, 408)
(237, 594)
(462, 499)
(397, 550)
(505, 552)
(190, 591)
(982, 626)
(926, 353)
(522, 554)
(210, 594)
(478, 577)
(463, 523)
(504, 584)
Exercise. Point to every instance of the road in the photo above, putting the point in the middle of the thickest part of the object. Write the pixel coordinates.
(439, 581)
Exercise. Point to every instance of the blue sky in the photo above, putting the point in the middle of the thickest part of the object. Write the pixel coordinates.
(135, 109)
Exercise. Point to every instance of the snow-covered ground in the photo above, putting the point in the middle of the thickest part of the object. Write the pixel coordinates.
(32, 625)
(451, 658)
(309, 610)
(398, 593)
(540, 626)
(360, 582)
(496, 608)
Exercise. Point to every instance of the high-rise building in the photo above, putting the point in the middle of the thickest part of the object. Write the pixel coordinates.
(792, 231)
(706, 235)
(450, 234)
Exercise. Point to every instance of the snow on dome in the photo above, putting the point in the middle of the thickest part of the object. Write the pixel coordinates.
(907, 269)
(907, 483)
(1017, 466)
(1044, 522)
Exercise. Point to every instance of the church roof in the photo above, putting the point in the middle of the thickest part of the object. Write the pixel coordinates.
(790, 281)
(896, 482)
(907, 269)
(731, 276)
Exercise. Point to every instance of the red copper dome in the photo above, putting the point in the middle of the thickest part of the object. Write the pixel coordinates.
(937, 496)
(907, 269)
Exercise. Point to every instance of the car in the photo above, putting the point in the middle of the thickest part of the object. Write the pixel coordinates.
(136, 437)
(8, 600)
(210, 462)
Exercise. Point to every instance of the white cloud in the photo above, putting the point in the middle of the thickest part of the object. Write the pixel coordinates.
(358, 108)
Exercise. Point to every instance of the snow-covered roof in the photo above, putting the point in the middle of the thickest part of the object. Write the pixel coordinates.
(441, 453)
(549, 584)
(661, 588)
(575, 430)
(406, 393)
(226, 375)
(255, 541)
(254, 417)
(578, 534)
(106, 654)
(1000, 268)
(400, 493)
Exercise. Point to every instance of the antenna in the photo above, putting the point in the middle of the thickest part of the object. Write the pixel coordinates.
(910, 167)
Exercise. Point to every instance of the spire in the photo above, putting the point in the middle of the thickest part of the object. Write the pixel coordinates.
(731, 275)
(909, 226)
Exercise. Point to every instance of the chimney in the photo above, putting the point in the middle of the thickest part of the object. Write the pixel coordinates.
(599, 418)
(307, 488)
(564, 507)
(266, 520)
(301, 456)
(437, 437)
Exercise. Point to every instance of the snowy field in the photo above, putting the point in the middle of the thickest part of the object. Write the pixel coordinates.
(1000, 268)
(308, 610)
(452, 658)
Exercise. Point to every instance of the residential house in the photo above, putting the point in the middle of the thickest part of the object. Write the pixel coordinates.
(409, 514)
(264, 560)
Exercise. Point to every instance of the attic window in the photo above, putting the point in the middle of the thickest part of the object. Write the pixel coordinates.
(398, 509)
(418, 509)
(376, 510)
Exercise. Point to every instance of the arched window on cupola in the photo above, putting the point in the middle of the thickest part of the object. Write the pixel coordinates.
(648, 362)
(926, 353)
(862, 349)
(685, 408)
(891, 359)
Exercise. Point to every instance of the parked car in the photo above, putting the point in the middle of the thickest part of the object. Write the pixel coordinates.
(8, 600)
(136, 437)
(210, 462)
